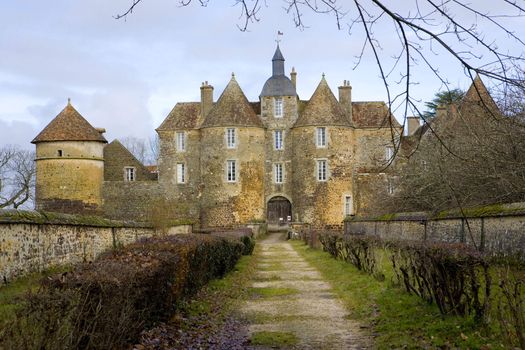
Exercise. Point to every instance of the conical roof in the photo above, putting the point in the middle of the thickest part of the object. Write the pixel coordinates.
(278, 56)
(69, 125)
(477, 94)
(323, 109)
(232, 109)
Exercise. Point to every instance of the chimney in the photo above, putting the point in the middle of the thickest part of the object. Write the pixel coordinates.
(412, 125)
(206, 98)
(293, 75)
(345, 98)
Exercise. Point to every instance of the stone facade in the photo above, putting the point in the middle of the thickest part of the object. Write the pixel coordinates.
(229, 162)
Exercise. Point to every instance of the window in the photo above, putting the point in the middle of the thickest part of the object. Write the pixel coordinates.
(231, 171)
(321, 137)
(129, 174)
(278, 107)
(230, 138)
(278, 138)
(60, 153)
(181, 141)
(278, 173)
(181, 173)
(390, 186)
(389, 153)
(322, 170)
(348, 206)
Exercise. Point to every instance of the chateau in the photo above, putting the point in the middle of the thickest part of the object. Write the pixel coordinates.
(229, 161)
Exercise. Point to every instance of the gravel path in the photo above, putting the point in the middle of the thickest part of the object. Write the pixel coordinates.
(290, 297)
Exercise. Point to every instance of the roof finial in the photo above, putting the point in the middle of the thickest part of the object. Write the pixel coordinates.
(233, 75)
(323, 74)
(278, 40)
(69, 101)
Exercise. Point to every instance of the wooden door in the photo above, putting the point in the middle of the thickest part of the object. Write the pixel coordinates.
(279, 207)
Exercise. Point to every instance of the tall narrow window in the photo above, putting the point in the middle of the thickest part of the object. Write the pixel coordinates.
(181, 173)
(322, 170)
(349, 206)
(278, 173)
(390, 186)
(321, 137)
(278, 138)
(389, 153)
(278, 107)
(181, 141)
(231, 140)
(231, 171)
(129, 174)
(60, 153)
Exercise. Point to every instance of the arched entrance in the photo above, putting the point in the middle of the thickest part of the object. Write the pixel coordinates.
(279, 210)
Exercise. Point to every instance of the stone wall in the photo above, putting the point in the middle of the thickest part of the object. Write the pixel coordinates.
(32, 241)
(190, 191)
(321, 203)
(499, 232)
(226, 203)
(131, 200)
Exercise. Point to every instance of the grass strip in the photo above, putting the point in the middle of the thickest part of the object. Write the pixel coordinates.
(396, 319)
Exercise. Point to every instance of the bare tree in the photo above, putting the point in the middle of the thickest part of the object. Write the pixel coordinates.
(17, 177)
(146, 151)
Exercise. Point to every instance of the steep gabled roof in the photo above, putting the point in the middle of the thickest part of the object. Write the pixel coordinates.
(372, 114)
(184, 115)
(323, 109)
(116, 157)
(69, 125)
(477, 94)
(232, 109)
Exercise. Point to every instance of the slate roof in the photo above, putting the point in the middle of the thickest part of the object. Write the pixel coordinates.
(232, 109)
(278, 84)
(69, 125)
(372, 114)
(323, 109)
(185, 115)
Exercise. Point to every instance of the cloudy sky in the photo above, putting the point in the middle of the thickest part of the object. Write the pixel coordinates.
(126, 75)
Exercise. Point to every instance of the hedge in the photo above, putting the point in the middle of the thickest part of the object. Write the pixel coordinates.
(107, 303)
(457, 278)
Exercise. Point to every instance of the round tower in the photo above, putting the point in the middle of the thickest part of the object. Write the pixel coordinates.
(232, 161)
(69, 164)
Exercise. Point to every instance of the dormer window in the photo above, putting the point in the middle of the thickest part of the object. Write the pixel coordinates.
(60, 153)
(278, 107)
(129, 174)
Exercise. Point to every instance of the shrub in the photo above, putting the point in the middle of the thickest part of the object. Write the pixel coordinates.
(244, 235)
(105, 304)
(453, 276)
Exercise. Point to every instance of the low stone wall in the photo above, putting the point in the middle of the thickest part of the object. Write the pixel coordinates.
(258, 229)
(32, 241)
(500, 231)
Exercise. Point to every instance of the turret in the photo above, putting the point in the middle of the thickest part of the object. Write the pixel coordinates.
(69, 164)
